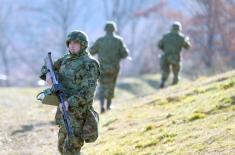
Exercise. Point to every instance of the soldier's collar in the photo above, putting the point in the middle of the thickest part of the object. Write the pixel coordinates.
(79, 54)
(110, 33)
(175, 31)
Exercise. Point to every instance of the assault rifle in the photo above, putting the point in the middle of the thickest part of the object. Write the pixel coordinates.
(59, 91)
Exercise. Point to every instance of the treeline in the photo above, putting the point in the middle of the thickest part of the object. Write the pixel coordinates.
(30, 29)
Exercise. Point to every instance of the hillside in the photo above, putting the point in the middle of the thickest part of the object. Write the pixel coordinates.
(190, 118)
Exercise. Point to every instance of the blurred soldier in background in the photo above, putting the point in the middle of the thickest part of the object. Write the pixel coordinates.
(171, 44)
(110, 50)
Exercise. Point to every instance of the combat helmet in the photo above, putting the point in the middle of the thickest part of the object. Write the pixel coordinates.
(176, 26)
(110, 26)
(79, 36)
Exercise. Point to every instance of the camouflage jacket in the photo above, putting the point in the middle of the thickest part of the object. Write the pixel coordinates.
(78, 74)
(110, 50)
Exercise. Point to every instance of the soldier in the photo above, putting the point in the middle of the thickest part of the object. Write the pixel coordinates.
(110, 50)
(78, 73)
(171, 44)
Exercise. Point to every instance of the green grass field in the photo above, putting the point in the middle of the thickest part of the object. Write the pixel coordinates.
(190, 118)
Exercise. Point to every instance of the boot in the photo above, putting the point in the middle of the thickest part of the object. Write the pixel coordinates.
(102, 109)
(109, 102)
(175, 81)
(162, 84)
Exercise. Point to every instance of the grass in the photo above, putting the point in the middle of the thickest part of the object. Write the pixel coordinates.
(190, 118)
(196, 116)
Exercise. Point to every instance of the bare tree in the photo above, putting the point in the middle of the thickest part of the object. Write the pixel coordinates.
(63, 14)
(60, 15)
(151, 19)
(121, 11)
(5, 12)
(214, 23)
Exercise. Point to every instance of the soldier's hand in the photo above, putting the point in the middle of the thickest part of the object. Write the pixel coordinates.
(66, 106)
(129, 58)
(48, 79)
(187, 38)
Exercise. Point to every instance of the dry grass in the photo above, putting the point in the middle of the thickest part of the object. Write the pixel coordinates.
(191, 118)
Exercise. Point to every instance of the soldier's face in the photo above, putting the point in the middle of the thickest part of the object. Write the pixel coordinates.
(74, 47)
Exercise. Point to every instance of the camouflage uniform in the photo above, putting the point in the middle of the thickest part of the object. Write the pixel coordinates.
(78, 74)
(171, 44)
(110, 50)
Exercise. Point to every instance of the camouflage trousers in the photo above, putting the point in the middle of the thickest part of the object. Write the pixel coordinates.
(166, 66)
(107, 85)
(73, 145)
